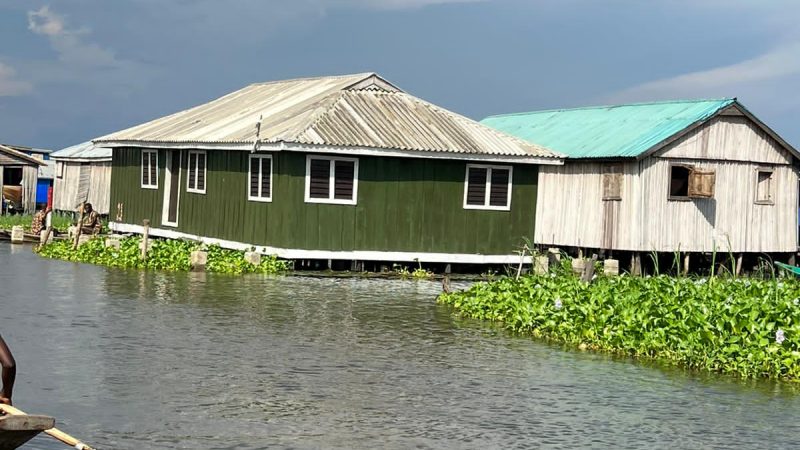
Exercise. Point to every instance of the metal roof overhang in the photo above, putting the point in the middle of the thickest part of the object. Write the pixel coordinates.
(350, 151)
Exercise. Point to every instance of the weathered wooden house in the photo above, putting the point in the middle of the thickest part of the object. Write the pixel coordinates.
(44, 175)
(689, 176)
(339, 168)
(19, 175)
(82, 174)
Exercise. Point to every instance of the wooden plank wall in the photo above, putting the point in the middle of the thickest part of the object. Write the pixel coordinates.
(731, 216)
(30, 177)
(65, 188)
(571, 211)
(404, 204)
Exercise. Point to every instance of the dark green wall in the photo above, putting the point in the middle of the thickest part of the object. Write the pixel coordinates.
(404, 204)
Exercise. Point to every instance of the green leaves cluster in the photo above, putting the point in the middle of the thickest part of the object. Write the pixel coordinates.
(164, 254)
(746, 327)
(59, 222)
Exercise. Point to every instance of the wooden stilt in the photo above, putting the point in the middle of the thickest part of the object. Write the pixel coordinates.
(636, 264)
(739, 265)
(686, 263)
(145, 237)
(80, 226)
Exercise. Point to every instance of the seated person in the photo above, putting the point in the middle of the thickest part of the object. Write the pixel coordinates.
(39, 221)
(91, 220)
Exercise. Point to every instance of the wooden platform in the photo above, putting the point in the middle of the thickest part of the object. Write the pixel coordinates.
(17, 430)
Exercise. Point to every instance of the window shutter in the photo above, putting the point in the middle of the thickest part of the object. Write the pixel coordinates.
(254, 165)
(701, 183)
(476, 186)
(344, 172)
(145, 169)
(201, 171)
(266, 181)
(192, 170)
(319, 185)
(153, 168)
(612, 182)
(498, 192)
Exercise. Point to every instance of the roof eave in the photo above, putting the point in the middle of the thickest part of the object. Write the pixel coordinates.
(330, 149)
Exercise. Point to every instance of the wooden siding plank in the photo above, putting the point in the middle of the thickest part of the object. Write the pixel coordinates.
(403, 205)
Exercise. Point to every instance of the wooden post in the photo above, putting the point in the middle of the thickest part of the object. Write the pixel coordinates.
(636, 264)
(145, 235)
(80, 226)
(686, 263)
(588, 270)
(739, 265)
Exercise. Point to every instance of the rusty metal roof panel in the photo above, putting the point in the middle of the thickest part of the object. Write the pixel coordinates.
(360, 110)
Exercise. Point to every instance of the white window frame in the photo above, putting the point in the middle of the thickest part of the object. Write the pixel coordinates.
(152, 185)
(189, 171)
(60, 169)
(488, 187)
(260, 186)
(331, 181)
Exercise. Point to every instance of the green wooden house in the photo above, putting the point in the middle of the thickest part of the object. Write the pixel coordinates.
(342, 167)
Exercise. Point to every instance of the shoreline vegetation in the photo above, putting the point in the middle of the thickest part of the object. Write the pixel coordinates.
(746, 327)
(162, 254)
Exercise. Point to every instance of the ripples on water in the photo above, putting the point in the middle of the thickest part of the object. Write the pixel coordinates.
(131, 360)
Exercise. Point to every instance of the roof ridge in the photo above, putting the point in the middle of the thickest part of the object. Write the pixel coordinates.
(321, 77)
(522, 142)
(580, 108)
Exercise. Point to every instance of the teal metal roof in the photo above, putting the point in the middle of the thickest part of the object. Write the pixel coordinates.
(621, 131)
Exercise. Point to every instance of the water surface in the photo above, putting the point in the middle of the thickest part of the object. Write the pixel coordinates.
(135, 360)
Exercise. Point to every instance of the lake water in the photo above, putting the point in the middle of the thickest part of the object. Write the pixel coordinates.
(135, 360)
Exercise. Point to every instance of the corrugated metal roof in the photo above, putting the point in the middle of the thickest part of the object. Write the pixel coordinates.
(352, 111)
(83, 151)
(607, 131)
(19, 155)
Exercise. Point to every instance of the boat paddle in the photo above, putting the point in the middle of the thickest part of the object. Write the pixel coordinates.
(54, 432)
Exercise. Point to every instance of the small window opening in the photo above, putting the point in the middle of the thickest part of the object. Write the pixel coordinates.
(764, 184)
(679, 182)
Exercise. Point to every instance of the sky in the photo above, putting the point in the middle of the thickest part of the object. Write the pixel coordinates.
(72, 70)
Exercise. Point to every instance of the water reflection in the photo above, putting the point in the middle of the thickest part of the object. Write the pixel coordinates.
(129, 359)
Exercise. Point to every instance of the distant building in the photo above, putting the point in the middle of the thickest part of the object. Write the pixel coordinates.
(82, 174)
(19, 178)
(44, 179)
(688, 176)
(341, 168)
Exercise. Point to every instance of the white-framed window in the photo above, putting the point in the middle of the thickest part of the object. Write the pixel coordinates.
(196, 179)
(259, 189)
(331, 179)
(487, 187)
(764, 187)
(149, 169)
(59, 169)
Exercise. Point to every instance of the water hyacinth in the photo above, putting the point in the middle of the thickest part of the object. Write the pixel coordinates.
(746, 328)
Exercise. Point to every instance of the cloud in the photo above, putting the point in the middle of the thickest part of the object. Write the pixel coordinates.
(81, 61)
(400, 4)
(764, 79)
(69, 43)
(10, 85)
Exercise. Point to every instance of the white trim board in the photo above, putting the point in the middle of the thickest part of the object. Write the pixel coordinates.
(345, 151)
(356, 255)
